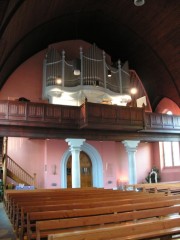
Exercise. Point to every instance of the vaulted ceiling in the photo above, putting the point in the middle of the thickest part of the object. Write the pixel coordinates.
(147, 36)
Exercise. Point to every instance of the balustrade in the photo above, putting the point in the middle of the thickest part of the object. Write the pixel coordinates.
(17, 172)
(88, 115)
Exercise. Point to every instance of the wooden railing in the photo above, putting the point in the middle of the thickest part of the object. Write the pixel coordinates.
(30, 113)
(88, 116)
(17, 173)
(157, 121)
(112, 117)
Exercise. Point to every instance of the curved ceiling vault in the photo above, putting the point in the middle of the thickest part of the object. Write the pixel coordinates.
(147, 36)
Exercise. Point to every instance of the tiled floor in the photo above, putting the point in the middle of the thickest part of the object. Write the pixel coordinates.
(6, 230)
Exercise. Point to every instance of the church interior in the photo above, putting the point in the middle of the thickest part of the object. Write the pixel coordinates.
(90, 111)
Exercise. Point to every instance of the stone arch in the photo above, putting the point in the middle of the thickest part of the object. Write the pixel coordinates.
(97, 166)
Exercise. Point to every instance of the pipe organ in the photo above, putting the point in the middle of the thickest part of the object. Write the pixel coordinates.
(90, 76)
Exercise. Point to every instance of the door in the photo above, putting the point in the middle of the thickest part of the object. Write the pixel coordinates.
(86, 171)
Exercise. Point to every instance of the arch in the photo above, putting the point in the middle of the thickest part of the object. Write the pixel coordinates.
(167, 104)
(97, 166)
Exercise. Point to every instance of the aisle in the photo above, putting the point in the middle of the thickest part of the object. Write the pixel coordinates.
(6, 230)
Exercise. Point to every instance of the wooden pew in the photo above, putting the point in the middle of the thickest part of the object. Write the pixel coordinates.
(57, 195)
(12, 196)
(66, 195)
(45, 228)
(37, 201)
(163, 229)
(83, 203)
(168, 188)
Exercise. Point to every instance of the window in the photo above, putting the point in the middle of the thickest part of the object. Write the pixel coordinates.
(171, 154)
(169, 113)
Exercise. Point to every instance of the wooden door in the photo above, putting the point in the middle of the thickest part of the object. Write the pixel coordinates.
(86, 171)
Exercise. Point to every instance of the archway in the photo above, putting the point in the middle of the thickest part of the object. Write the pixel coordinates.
(97, 166)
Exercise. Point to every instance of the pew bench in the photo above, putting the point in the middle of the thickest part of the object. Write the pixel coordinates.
(10, 195)
(167, 188)
(23, 195)
(16, 209)
(163, 229)
(96, 216)
(62, 197)
(39, 212)
(45, 228)
(53, 197)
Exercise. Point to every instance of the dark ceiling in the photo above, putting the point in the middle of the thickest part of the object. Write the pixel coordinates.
(147, 36)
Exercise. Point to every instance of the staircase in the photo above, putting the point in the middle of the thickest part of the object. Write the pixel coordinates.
(18, 174)
(9, 168)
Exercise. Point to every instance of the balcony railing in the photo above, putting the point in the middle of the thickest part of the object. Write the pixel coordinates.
(88, 115)
(162, 122)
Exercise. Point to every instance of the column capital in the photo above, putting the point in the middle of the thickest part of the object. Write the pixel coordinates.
(75, 143)
(130, 145)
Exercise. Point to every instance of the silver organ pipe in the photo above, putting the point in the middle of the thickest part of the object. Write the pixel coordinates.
(93, 72)
(120, 76)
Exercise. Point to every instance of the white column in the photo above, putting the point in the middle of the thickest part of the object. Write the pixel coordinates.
(131, 148)
(75, 148)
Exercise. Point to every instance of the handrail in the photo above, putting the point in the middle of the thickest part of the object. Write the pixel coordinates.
(18, 171)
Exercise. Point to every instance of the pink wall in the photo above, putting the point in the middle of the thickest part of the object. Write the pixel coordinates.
(156, 156)
(26, 81)
(111, 157)
(167, 104)
(44, 158)
(29, 154)
(144, 161)
(55, 150)
(170, 174)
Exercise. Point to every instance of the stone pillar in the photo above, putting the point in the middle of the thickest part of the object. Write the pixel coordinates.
(131, 148)
(75, 148)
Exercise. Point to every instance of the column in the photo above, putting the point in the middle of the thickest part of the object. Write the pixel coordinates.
(75, 148)
(131, 148)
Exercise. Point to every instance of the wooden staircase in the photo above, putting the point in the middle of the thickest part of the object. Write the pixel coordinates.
(17, 173)
(9, 168)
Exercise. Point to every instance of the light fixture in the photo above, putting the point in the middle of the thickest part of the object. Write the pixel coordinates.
(58, 80)
(139, 3)
(133, 100)
(133, 91)
(109, 73)
(77, 67)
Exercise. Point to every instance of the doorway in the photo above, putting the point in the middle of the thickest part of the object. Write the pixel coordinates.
(85, 170)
